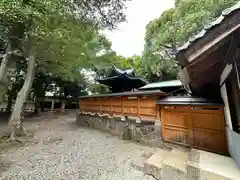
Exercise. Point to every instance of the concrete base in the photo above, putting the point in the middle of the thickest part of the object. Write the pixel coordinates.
(127, 128)
(175, 164)
(214, 167)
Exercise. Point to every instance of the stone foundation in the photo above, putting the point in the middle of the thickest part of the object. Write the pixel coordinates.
(128, 128)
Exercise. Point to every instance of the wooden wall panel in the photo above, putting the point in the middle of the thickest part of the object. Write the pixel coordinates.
(195, 126)
(175, 124)
(147, 112)
(147, 107)
(209, 129)
(117, 110)
(210, 141)
(147, 102)
(208, 121)
(128, 106)
(176, 135)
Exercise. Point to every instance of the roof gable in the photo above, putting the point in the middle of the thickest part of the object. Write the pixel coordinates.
(162, 84)
(118, 72)
(228, 20)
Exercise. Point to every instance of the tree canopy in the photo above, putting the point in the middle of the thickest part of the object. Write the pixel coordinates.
(54, 39)
(174, 27)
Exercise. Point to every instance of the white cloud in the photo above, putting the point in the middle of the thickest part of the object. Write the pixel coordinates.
(128, 39)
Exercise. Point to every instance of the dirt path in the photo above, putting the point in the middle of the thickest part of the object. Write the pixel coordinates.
(62, 150)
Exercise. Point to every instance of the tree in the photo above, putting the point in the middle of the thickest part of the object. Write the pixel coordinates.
(15, 84)
(17, 17)
(49, 33)
(174, 27)
(97, 88)
(104, 13)
(130, 62)
(41, 84)
(69, 90)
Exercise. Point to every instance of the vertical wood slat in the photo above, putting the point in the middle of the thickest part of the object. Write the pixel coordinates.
(163, 122)
(122, 101)
(111, 108)
(190, 125)
(138, 107)
(101, 106)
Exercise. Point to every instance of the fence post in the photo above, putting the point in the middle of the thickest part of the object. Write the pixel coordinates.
(110, 111)
(138, 107)
(101, 106)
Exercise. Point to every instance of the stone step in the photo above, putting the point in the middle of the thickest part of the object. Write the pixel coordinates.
(175, 165)
(210, 166)
(167, 164)
(177, 159)
(148, 152)
(153, 165)
(138, 163)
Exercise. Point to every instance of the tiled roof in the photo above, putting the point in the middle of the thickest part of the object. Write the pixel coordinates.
(225, 13)
(187, 100)
(136, 93)
(127, 71)
(162, 84)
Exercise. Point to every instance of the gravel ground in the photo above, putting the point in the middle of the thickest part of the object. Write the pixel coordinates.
(61, 150)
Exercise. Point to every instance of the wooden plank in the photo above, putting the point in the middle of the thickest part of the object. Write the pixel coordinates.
(122, 110)
(131, 106)
(175, 122)
(138, 107)
(209, 130)
(198, 127)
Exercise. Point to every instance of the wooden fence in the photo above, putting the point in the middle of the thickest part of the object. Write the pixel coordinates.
(136, 106)
(201, 127)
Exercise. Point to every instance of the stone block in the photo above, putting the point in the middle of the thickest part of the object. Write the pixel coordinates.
(214, 166)
(132, 119)
(96, 122)
(126, 135)
(175, 165)
(119, 118)
(120, 128)
(83, 120)
(147, 122)
(145, 132)
(171, 173)
(148, 152)
(111, 124)
(193, 171)
(153, 165)
(138, 163)
(135, 133)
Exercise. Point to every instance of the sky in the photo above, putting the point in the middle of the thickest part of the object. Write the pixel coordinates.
(128, 38)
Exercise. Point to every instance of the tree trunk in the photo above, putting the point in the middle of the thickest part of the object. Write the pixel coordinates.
(36, 111)
(4, 63)
(3, 91)
(42, 106)
(62, 108)
(9, 103)
(15, 122)
(53, 105)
